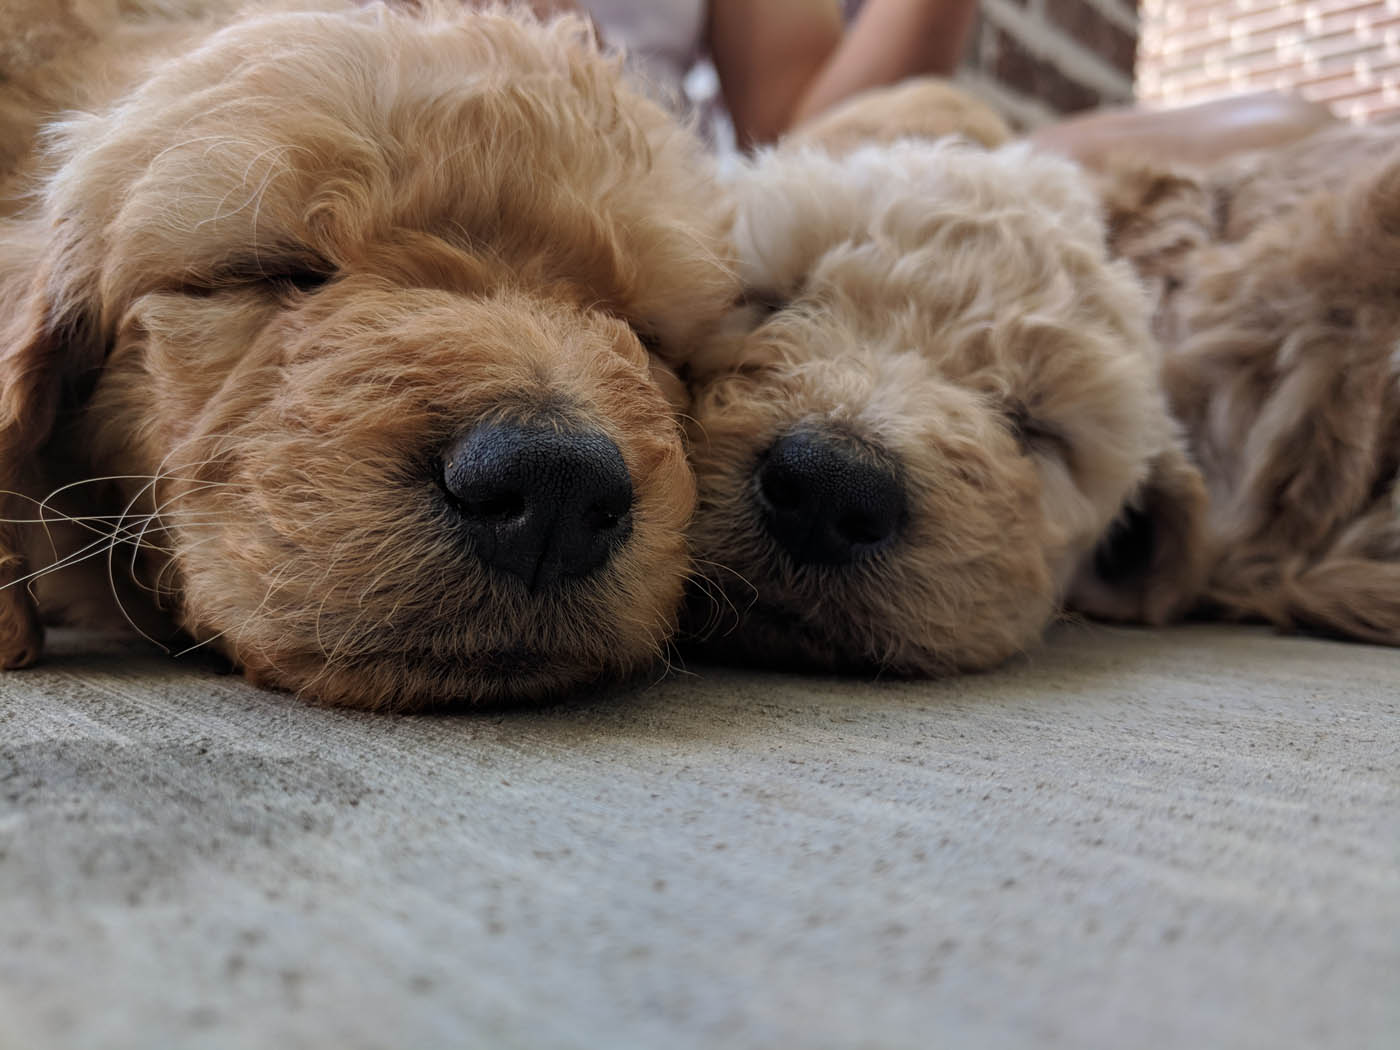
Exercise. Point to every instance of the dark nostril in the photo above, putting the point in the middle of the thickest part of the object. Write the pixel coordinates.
(600, 516)
(827, 498)
(499, 505)
(858, 527)
(540, 502)
(781, 489)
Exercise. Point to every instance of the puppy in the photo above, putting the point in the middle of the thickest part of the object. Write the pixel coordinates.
(346, 333)
(936, 417)
(920, 107)
(1273, 278)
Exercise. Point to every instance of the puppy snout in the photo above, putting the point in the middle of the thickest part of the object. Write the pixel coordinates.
(828, 499)
(542, 503)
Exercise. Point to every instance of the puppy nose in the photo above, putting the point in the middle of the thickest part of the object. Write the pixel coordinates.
(827, 499)
(542, 503)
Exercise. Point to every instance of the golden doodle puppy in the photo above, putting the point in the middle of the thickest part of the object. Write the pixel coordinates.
(935, 419)
(1274, 284)
(346, 334)
(919, 107)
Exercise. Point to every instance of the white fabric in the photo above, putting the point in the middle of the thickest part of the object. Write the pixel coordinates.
(663, 39)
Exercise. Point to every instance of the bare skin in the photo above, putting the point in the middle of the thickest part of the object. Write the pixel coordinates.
(781, 61)
(769, 56)
(889, 41)
(1199, 134)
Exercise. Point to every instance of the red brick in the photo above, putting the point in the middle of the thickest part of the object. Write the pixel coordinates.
(1024, 72)
(1087, 26)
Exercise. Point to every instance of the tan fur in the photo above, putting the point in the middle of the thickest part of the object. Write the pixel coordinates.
(58, 55)
(502, 218)
(953, 310)
(920, 107)
(1281, 324)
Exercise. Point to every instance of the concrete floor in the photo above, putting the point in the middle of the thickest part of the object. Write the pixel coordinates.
(1186, 838)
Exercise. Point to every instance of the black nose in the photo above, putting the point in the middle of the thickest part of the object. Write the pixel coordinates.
(543, 503)
(828, 499)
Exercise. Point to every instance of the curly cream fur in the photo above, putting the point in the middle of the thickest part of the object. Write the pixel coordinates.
(502, 218)
(953, 308)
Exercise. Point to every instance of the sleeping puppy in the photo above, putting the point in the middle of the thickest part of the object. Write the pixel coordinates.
(344, 336)
(934, 421)
(1274, 281)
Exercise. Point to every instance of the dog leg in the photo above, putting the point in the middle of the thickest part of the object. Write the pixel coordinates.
(45, 340)
(21, 633)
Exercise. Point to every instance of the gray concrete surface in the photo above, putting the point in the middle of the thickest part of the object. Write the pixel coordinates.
(1186, 838)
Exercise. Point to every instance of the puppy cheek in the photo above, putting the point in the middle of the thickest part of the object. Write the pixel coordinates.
(672, 387)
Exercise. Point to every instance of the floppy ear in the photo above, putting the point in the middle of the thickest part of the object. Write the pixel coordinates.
(1151, 565)
(1157, 218)
(1152, 202)
(49, 345)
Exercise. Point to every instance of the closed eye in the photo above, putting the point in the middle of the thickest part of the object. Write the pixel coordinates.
(281, 272)
(1035, 436)
(301, 280)
(761, 304)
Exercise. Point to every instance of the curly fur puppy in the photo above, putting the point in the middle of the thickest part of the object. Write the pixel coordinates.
(1274, 284)
(939, 399)
(920, 107)
(341, 318)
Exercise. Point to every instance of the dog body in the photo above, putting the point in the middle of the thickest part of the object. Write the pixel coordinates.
(348, 307)
(1274, 278)
(939, 399)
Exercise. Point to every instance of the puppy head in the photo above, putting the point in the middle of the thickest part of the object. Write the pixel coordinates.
(918, 108)
(936, 400)
(372, 291)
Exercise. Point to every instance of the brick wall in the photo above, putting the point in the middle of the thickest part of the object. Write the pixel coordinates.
(1342, 52)
(1034, 59)
(1031, 59)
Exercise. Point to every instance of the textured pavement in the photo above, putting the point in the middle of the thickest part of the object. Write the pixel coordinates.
(1183, 838)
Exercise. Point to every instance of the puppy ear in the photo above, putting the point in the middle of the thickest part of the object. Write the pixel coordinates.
(1157, 218)
(1151, 565)
(49, 349)
(1150, 209)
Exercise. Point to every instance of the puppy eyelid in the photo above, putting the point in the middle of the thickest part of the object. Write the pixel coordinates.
(301, 271)
(765, 303)
(1033, 435)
